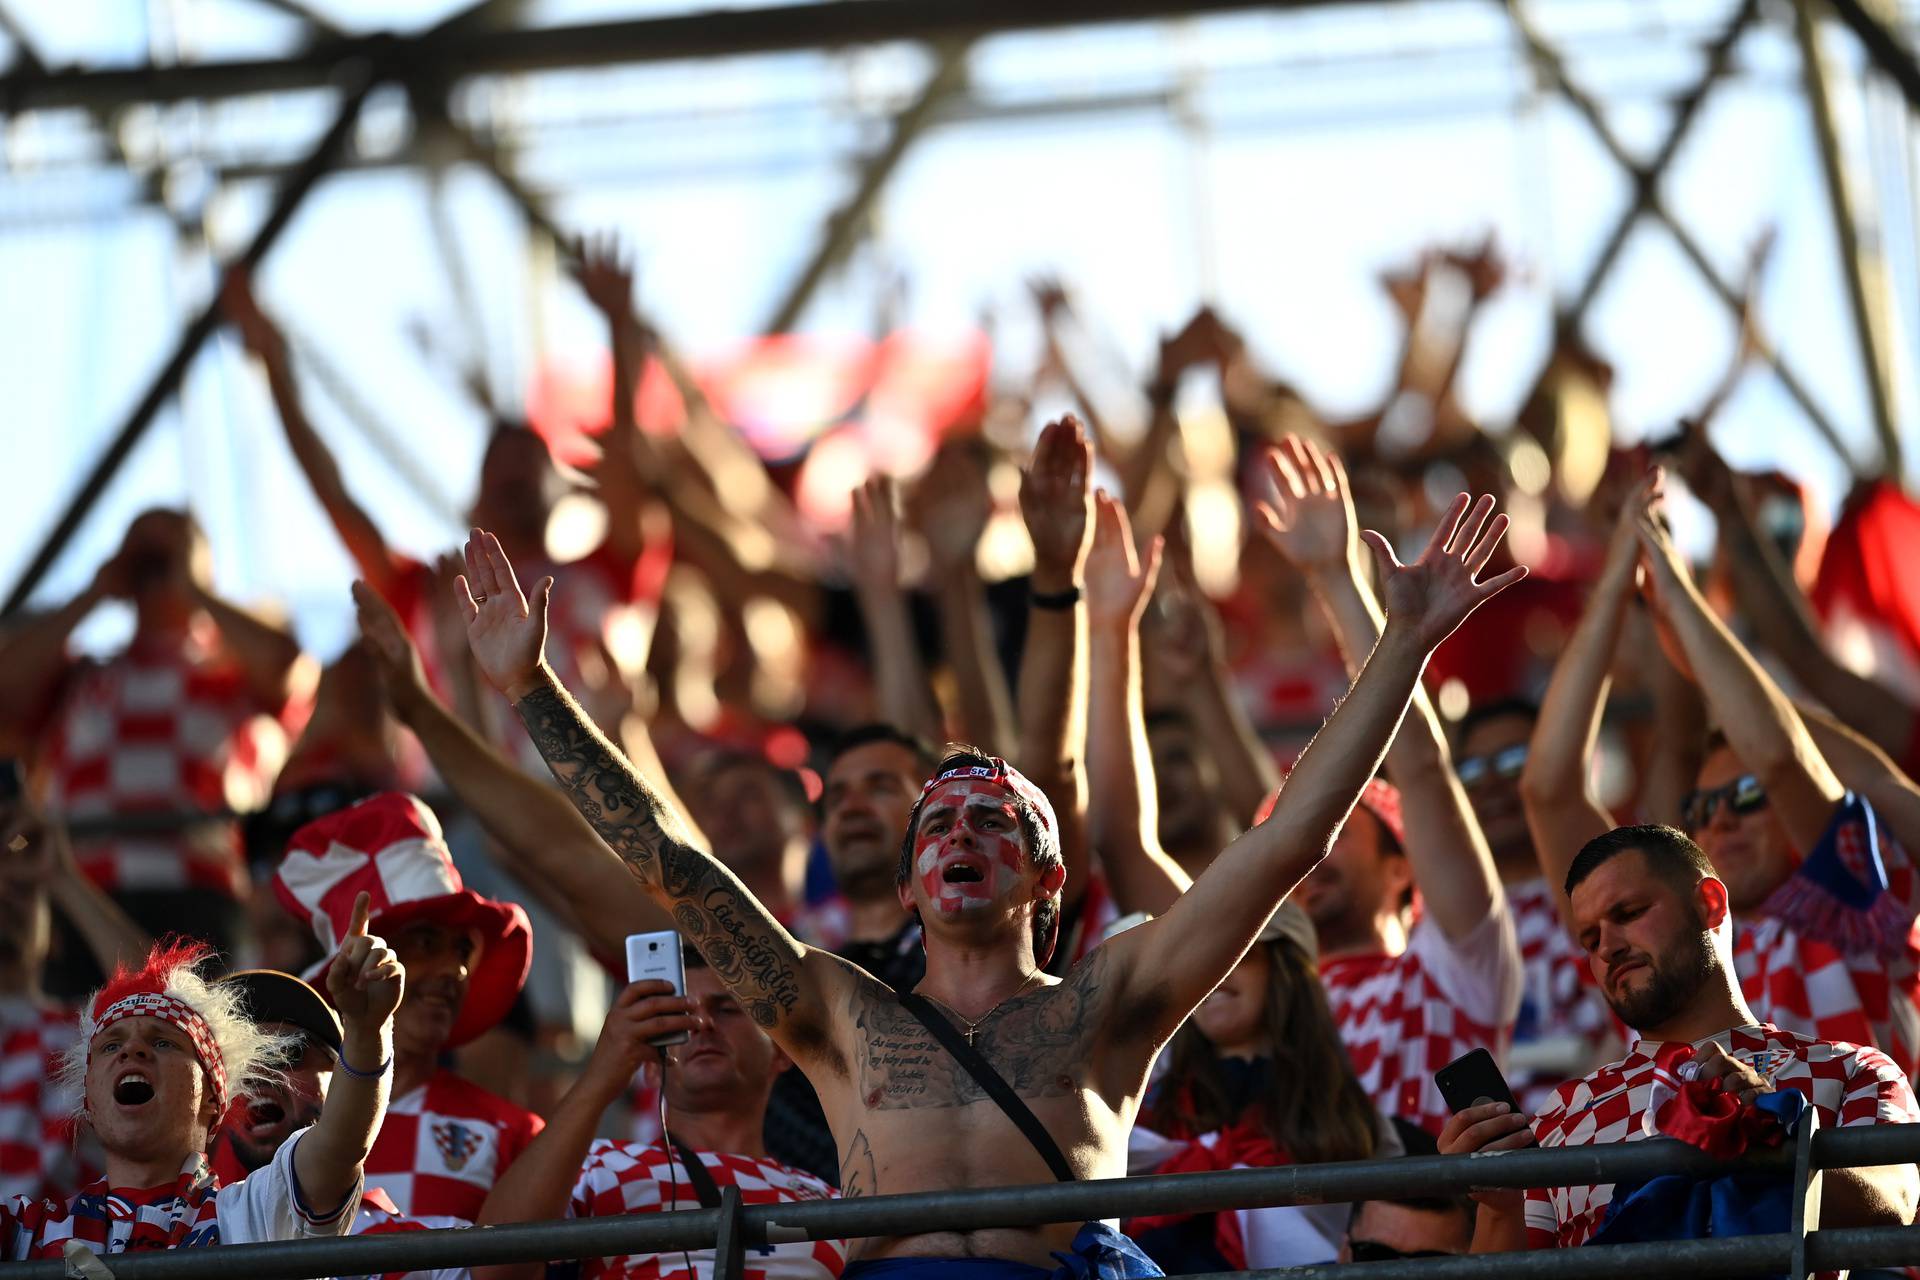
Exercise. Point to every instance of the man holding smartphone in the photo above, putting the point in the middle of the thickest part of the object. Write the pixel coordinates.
(717, 1070)
(1657, 926)
(982, 868)
(445, 1139)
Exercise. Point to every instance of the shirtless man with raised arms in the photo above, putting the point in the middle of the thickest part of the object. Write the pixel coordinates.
(981, 867)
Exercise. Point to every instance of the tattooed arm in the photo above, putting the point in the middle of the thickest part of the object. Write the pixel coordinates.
(783, 984)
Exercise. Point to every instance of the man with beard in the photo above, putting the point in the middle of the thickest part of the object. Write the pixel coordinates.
(1827, 898)
(1657, 927)
(256, 1127)
(716, 1083)
(161, 1055)
(982, 866)
(445, 1139)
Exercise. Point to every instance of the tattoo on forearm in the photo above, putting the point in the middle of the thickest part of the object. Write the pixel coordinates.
(713, 910)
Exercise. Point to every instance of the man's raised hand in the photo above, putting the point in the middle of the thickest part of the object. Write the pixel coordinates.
(1311, 521)
(365, 980)
(642, 1013)
(507, 633)
(388, 643)
(1056, 500)
(873, 537)
(1119, 581)
(605, 273)
(1433, 595)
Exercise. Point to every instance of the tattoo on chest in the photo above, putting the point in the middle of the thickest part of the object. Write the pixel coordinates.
(859, 1176)
(1039, 1042)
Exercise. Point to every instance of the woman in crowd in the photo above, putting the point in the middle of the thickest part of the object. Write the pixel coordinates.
(1256, 1077)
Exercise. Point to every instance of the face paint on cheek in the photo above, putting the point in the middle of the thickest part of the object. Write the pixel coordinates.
(1001, 852)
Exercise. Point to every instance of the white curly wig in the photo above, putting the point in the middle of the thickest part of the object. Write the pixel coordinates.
(246, 1052)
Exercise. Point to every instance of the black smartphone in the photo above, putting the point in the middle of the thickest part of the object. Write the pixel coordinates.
(1471, 1077)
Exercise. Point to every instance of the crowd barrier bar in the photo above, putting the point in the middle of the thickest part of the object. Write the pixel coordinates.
(736, 1227)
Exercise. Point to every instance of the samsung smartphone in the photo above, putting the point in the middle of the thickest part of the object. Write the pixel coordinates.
(1471, 1077)
(655, 957)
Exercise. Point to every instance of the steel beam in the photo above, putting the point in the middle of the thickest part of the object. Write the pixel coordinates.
(167, 380)
(1884, 46)
(1861, 265)
(460, 51)
(1589, 110)
(1719, 54)
(842, 226)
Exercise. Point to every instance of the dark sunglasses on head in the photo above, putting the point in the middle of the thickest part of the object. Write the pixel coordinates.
(1505, 763)
(1374, 1251)
(1744, 795)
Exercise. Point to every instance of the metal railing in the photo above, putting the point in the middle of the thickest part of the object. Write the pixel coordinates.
(733, 1227)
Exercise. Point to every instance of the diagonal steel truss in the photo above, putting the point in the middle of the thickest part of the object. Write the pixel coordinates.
(479, 39)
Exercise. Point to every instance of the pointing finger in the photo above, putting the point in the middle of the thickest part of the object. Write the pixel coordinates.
(362, 912)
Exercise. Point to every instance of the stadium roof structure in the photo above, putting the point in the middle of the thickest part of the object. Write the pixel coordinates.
(329, 69)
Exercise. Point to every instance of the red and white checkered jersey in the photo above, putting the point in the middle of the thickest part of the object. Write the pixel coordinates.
(192, 1211)
(164, 727)
(37, 1157)
(624, 1177)
(1559, 1002)
(1404, 1017)
(1835, 951)
(378, 1217)
(1846, 1084)
(443, 1145)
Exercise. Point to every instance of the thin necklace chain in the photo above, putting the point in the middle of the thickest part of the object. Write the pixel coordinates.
(974, 1023)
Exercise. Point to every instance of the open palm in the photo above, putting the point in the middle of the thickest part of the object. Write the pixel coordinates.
(1118, 580)
(507, 633)
(1311, 520)
(1434, 594)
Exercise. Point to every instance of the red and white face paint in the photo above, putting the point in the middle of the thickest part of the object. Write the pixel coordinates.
(967, 853)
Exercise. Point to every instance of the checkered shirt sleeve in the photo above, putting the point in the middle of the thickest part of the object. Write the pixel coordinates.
(37, 1156)
(1846, 1084)
(1404, 1017)
(624, 1177)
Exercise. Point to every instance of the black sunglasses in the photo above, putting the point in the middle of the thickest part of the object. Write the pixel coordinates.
(1374, 1251)
(1744, 795)
(1505, 763)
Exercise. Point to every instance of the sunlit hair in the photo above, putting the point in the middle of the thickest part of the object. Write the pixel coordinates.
(1315, 1110)
(172, 969)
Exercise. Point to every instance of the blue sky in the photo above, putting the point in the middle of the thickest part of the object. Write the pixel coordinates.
(1336, 143)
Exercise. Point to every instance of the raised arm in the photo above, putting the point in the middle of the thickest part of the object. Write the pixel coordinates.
(1186, 952)
(1315, 528)
(33, 651)
(1759, 720)
(873, 557)
(1865, 769)
(363, 539)
(950, 507)
(1056, 500)
(1184, 639)
(539, 836)
(537, 1186)
(605, 274)
(268, 656)
(1125, 825)
(1781, 615)
(364, 985)
(1555, 789)
(783, 984)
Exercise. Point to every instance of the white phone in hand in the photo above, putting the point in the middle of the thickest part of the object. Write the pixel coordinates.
(655, 957)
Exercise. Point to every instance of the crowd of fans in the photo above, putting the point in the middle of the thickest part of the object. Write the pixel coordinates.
(1223, 863)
